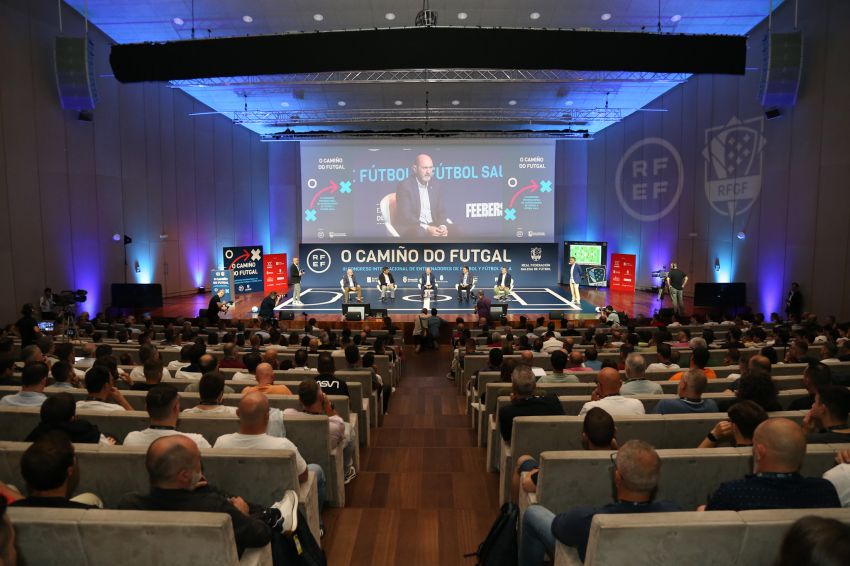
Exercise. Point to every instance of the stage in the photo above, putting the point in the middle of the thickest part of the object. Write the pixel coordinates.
(325, 304)
(530, 301)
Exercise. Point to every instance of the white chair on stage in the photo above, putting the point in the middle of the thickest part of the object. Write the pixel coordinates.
(503, 296)
(467, 291)
(428, 293)
(346, 298)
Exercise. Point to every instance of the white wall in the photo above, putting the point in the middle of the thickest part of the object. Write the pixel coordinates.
(143, 167)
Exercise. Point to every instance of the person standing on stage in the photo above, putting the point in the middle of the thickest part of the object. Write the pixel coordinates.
(503, 284)
(419, 204)
(268, 305)
(216, 307)
(295, 274)
(573, 279)
(482, 306)
(386, 282)
(676, 280)
(794, 302)
(427, 283)
(349, 284)
(465, 283)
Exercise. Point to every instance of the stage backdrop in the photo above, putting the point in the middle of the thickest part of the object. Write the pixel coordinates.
(531, 265)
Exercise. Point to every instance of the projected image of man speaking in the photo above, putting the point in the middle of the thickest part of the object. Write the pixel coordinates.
(419, 204)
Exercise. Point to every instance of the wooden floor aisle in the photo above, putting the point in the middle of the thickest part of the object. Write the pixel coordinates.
(422, 496)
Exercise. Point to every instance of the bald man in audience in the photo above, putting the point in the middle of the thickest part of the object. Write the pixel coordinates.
(691, 388)
(635, 472)
(177, 484)
(265, 382)
(636, 382)
(779, 446)
(607, 396)
(253, 413)
(576, 362)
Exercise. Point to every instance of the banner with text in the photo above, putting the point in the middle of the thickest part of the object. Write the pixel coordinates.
(531, 265)
(276, 273)
(623, 272)
(246, 263)
(222, 279)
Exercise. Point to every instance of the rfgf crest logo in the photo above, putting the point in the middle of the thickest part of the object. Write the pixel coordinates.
(733, 165)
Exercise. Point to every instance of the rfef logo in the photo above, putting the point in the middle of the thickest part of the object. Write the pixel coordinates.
(649, 179)
(318, 260)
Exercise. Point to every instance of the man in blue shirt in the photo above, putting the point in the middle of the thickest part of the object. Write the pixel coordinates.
(33, 382)
(779, 446)
(691, 388)
(636, 471)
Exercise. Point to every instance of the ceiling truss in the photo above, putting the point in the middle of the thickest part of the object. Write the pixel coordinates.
(436, 76)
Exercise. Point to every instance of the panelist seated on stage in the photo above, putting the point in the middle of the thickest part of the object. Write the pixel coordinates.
(350, 285)
(427, 283)
(420, 212)
(386, 284)
(504, 284)
(465, 283)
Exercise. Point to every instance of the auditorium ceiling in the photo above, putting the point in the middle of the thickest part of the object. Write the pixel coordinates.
(457, 99)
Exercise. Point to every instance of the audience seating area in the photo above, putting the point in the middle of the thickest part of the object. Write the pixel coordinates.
(569, 476)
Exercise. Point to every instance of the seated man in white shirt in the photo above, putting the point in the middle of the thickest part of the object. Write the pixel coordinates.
(253, 415)
(315, 402)
(607, 396)
(163, 405)
(33, 382)
(185, 351)
(211, 392)
(300, 362)
(636, 382)
(665, 353)
(551, 343)
(101, 390)
(147, 352)
(251, 361)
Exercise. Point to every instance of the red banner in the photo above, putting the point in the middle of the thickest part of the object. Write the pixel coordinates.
(623, 272)
(275, 273)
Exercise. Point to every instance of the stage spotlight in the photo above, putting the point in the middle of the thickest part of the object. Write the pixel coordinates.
(717, 264)
(116, 237)
(742, 235)
(202, 290)
(127, 239)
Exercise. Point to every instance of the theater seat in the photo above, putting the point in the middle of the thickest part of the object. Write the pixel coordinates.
(143, 538)
(388, 212)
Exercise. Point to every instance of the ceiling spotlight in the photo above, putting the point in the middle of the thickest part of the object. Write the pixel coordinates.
(675, 18)
(606, 16)
(116, 237)
(455, 102)
(178, 21)
(340, 103)
(511, 102)
(534, 15)
(318, 17)
(390, 16)
(742, 235)
(247, 19)
(568, 103)
(462, 15)
(285, 104)
(398, 102)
